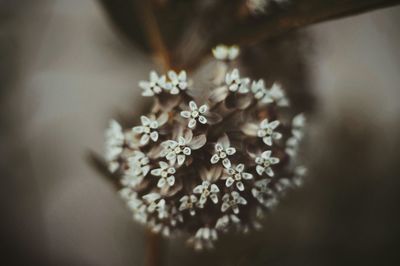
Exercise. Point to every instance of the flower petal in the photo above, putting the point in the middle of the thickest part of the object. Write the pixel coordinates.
(154, 136)
(186, 114)
(198, 142)
(229, 182)
(214, 159)
(192, 123)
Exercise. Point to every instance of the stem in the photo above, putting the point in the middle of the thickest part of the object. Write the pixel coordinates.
(153, 33)
(153, 249)
(301, 13)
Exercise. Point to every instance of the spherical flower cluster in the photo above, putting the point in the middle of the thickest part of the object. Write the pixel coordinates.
(204, 165)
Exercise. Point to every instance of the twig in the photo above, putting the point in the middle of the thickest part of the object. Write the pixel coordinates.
(153, 33)
(301, 13)
(153, 249)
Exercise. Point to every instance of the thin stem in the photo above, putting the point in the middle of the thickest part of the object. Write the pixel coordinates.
(153, 249)
(153, 33)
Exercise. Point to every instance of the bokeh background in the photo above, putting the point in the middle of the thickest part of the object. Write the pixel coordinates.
(65, 71)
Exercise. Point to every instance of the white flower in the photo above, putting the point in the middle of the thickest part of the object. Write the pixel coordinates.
(223, 52)
(149, 127)
(223, 222)
(138, 168)
(292, 143)
(204, 237)
(136, 205)
(236, 175)
(232, 201)
(206, 190)
(138, 164)
(264, 163)
(195, 114)
(298, 124)
(257, 6)
(235, 83)
(154, 86)
(260, 92)
(278, 95)
(166, 174)
(156, 203)
(188, 203)
(176, 151)
(177, 83)
(222, 151)
(266, 131)
(113, 144)
(261, 191)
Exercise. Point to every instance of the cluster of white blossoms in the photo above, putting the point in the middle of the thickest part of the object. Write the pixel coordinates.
(205, 167)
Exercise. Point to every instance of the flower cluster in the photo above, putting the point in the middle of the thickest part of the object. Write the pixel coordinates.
(207, 164)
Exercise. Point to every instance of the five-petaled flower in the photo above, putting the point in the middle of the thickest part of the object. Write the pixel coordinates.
(188, 203)
(166, 174)
(267, 133)
(232, 201)
(156, 203)
(176, 151)
(177, 82)
(264, 163)
(204, 237)
(149, 127)
(235, 83)
(222, 151)
(195, 114)
(113, 146)
(236, 174)
(154, 86)
(206, 189)
(223, 52)
(260, 92)
(278, 95)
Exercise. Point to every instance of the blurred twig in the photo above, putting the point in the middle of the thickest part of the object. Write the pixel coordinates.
(145, 24)
(153, 33)
(153, 249)
(301, 13)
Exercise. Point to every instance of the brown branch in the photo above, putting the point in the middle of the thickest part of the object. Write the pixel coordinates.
(298, 14)
(153, 249)
(153, 33)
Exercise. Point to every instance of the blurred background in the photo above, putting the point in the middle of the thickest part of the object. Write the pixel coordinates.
(66, 69)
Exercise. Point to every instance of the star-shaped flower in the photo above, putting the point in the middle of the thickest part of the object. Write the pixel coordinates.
(188, 203)
(206, 189)
(176, 151)
(223, 52)
(235, 83)
(232, 201)
(261, 191)
(149, 128)
(278, 95)
(178, 82)
(156, 203)
(236, 174)
(222, 151)
(204, 237)
(266, 131)
(166, 174)
(113, 144)
(264, 163)
(154, 86)
(195, 114)
(260, 92)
